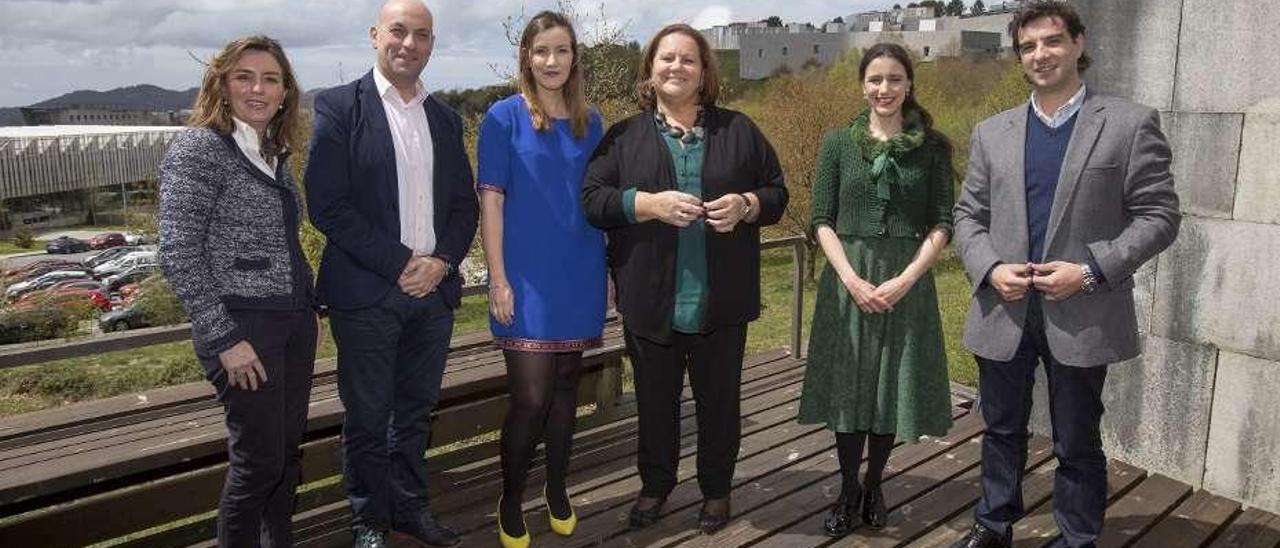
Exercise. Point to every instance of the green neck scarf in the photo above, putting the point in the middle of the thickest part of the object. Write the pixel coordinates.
(884, 155)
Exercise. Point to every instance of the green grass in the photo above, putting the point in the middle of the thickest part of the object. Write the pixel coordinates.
(8, 247)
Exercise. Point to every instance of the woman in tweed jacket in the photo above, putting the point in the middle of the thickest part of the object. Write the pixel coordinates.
(229, 215)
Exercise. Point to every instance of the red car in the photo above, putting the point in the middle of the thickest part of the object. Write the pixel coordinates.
(106, 239)
(62, 297)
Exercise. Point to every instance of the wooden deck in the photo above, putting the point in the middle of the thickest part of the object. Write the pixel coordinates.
(787, 476)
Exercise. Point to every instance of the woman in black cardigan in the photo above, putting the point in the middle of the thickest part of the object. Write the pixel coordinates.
(683, 189)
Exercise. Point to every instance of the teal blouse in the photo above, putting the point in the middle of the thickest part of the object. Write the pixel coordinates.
(691, 249)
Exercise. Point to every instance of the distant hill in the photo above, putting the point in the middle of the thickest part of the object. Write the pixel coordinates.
(139, 97)
(10, 117)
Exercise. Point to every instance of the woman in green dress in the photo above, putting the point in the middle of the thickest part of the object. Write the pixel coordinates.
(882, 197)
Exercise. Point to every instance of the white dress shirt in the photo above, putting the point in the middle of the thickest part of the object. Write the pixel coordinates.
(415, 160)
(1064, 112)
(251, 145)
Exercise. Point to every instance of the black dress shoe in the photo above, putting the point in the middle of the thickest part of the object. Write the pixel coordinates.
(843, 518)
(712, 522)
(369, 537)
(981, 537)
(644, 517)
(874, 514)
(428, 531)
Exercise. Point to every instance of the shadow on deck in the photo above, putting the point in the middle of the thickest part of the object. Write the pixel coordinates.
(787, 476)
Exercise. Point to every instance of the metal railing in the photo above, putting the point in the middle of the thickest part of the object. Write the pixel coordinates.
(32, 353)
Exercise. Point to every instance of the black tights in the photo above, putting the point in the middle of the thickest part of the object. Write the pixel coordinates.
(849, 451)
(543, 390)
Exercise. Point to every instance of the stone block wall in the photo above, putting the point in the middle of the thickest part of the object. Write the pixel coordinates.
(1201, 404)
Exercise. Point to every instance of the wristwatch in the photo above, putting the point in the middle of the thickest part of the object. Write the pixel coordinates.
(449, 268)
(747, 211)
(1089, 283)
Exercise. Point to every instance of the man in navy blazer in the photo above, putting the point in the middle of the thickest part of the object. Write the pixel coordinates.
(389, 184)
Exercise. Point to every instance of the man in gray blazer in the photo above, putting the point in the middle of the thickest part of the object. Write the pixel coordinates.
(1065, 197)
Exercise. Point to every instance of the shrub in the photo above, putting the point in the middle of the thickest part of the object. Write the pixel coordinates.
(23, 237)
(17, 326)
(158, 303)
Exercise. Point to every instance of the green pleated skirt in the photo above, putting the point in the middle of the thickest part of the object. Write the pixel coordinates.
(879, 373)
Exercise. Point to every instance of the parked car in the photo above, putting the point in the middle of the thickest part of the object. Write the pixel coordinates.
(76, 283)
(66, 244)
(109, 255)
(126, 262)
(106, 240)
(122, 319)
(43, 281)
(133, 238)
(133, 275)
(24, 273)
(59, 298)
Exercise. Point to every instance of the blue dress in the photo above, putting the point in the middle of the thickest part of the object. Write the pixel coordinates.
(555, 261)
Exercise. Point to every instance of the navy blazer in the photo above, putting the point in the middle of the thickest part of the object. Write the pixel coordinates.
(353, 196)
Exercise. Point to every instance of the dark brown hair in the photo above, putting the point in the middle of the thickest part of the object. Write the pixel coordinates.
(899, 54)
(1036, 9)
(575, 97)
(708, 94)
(213, 111)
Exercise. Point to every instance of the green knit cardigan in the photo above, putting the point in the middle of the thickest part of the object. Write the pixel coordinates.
(866, 188)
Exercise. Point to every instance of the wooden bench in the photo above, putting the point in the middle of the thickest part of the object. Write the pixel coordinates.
(99, 470)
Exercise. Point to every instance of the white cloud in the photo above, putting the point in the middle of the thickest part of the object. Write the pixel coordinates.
(51, 47)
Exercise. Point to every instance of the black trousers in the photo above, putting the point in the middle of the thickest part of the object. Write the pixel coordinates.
(714, 363)
(264, 428)
(1075, 410)
(391, 360)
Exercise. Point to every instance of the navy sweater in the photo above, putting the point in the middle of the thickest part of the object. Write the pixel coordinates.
(1045, 150)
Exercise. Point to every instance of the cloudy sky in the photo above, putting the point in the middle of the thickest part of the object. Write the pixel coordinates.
(51, 47)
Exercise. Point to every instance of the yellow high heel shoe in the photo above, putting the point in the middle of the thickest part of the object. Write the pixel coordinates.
(562, 527)
(509, 541)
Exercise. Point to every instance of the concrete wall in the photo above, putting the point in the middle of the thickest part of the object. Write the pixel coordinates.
(1201, 404)
(762, 55)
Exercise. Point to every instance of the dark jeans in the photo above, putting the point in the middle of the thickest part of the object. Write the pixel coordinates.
(1075, 411)
(391, 358)
(714, 362)
(264, 428)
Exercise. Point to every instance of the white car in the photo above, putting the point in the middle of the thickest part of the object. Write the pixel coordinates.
(124, 263)
(46, 279)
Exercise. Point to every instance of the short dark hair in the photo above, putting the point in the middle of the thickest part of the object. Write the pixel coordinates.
(710, 91)
(1036, 9)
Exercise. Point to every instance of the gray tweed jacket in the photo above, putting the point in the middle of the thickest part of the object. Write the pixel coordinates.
(228, 237)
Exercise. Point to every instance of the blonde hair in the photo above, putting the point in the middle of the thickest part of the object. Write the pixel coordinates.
(213, 111)
(575, 95)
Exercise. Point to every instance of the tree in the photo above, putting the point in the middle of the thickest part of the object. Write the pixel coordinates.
(954, 8)
(897, 7)
(978, 8)
(838, 19)
(935, 4)
(772, 21)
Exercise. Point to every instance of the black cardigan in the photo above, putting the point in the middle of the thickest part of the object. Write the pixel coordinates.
(642, 256)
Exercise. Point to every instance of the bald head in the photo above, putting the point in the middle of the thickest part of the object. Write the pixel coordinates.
(403, 37)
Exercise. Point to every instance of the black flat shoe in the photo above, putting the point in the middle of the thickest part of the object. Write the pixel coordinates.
(843, 518)
(643, 517)
(712, 522)
(874, 514)
(981, 537)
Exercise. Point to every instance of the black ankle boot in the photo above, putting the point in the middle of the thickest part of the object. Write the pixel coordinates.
(843, 518)
(874, 514)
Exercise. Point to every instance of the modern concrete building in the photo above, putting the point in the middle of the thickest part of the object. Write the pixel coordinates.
(100, 116)
(724, 37)
(47, 172)
(765, 55)
(1201, 404)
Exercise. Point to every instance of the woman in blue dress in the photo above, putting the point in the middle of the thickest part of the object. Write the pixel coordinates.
(546, 264)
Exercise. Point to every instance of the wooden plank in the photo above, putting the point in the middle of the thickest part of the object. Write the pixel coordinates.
(1253, 528)
(1139, 509)
(1037, 486)
(1038, 528)
(949, 498)
(1192, 523)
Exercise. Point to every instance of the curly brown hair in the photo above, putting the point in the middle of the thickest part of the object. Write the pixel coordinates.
(212, 110)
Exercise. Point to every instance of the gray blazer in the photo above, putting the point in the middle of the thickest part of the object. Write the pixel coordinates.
(1114, 201)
